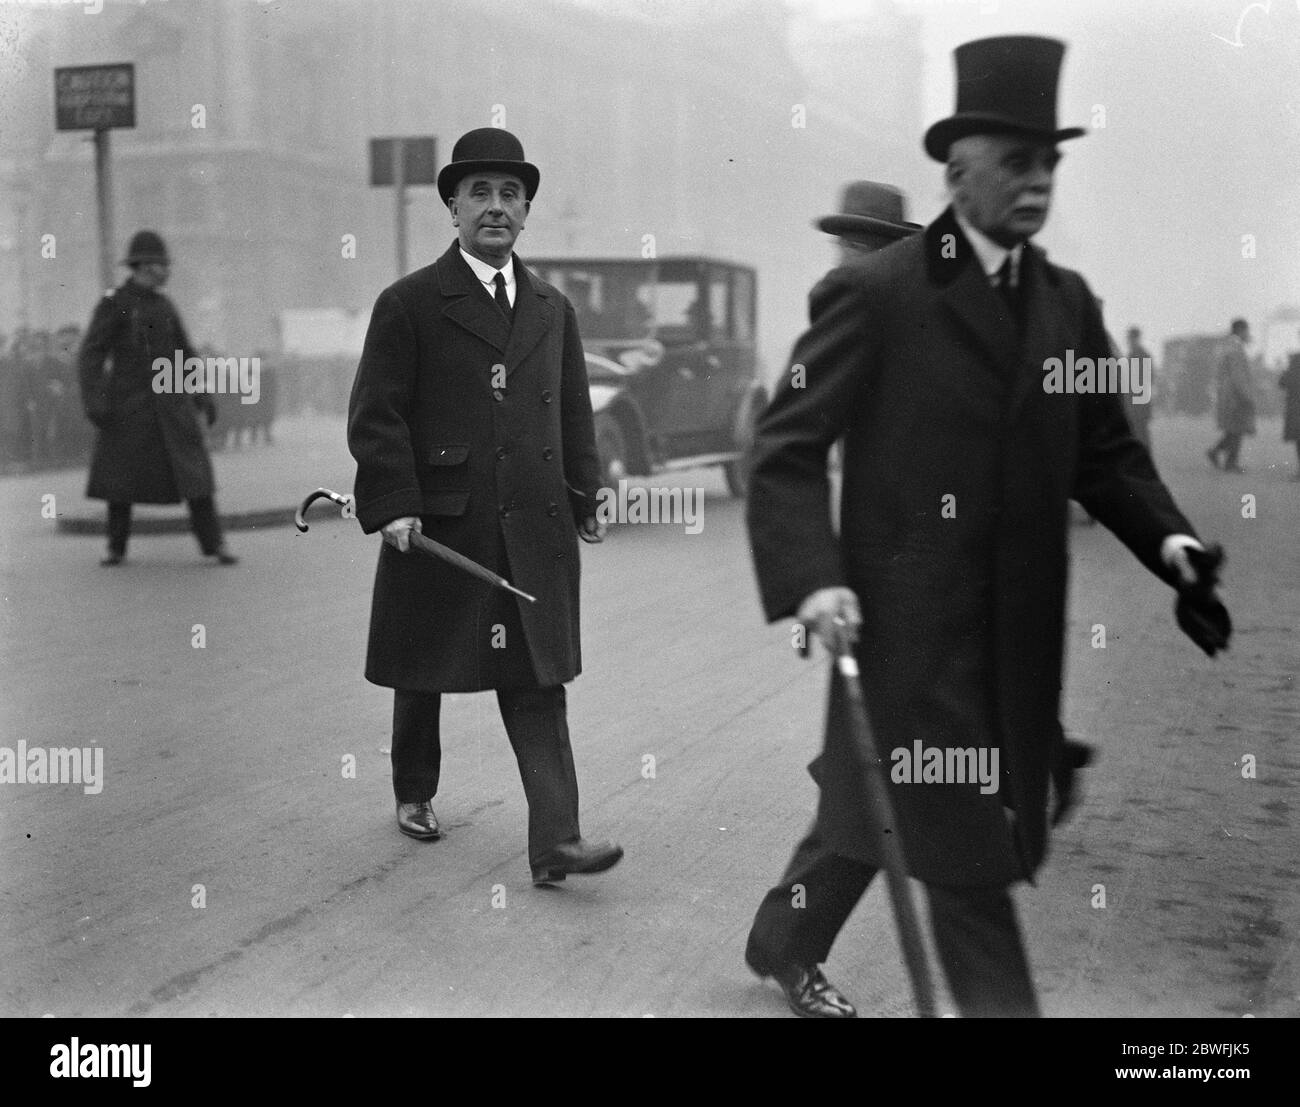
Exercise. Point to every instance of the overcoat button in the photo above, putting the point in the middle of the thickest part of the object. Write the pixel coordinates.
(504, 511)
(552, 509)
(498, 395)
(547, 454)
(501, 452)
(546, 396)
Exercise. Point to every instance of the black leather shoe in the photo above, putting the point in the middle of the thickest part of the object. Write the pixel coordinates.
(113, 559)
(225, 557)
(809, 994)
(579, 856)
(417, 820)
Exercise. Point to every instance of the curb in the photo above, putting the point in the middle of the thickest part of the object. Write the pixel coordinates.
(180, 524)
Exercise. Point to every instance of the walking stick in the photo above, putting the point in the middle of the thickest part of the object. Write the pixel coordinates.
(418, 540)
(884, 826)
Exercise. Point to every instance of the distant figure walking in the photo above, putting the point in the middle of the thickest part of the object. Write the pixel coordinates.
(1235, 408)
(1139, 414)
(1290, 382)
(150, 447)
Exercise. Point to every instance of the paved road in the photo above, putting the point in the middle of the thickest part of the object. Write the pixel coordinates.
(224, 767)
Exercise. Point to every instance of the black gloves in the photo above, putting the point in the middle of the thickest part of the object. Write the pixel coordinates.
(1199, 611)
(1074, 755)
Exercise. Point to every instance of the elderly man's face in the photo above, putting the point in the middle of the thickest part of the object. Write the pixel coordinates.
(1002, 184)
(488, 211)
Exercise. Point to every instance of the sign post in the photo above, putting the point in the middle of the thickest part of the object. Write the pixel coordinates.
(97, 98)
(400, 162)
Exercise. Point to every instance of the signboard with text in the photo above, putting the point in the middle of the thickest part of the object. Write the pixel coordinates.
(94, 97)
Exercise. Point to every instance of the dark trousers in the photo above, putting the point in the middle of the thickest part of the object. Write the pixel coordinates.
(975, 930)
(1229, 446)
(203, 522)
(537, 725)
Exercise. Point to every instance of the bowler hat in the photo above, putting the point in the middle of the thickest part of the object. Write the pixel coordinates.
(869, 208)
(1005, 85)
(486, 150)
(146, 246)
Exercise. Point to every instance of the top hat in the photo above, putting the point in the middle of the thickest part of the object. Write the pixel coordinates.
(486, 150)
(1005, 85)
(869, 208)
(146, 246)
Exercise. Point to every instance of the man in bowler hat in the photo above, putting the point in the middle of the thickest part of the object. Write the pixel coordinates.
(950, 564)
(149, 448)
(871, 216)
(471, 423)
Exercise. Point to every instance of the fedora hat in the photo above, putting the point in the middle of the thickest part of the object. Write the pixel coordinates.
(486, 150)
(869, 208)
(1005, 85)
(146, 246)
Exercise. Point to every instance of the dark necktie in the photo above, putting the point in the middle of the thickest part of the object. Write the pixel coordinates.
(503, 301)
(1011, 293)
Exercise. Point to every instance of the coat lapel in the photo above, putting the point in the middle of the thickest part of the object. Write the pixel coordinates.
(966, 293)
(1045, 326)
(534, 315)
(466, 302)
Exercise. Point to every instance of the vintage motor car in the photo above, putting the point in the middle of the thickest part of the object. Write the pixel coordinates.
(671, 361)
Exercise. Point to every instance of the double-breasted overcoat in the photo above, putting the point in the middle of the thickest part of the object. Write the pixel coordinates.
(482, 428)
(958, 469)
(150, 446)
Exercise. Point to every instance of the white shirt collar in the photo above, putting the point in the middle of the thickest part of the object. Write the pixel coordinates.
(487, 273)
(990, 254)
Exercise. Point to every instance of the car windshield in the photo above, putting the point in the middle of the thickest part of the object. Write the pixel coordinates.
(627, 301)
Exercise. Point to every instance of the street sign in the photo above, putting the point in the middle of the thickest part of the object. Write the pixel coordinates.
(419, 164)
(94, 97)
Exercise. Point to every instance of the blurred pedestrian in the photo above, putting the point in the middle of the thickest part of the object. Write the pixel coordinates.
(950, 569)
(1290, 383)
(1140, 407)
(150, 447)
(1235, 405)
(471, 422)
(871, 217)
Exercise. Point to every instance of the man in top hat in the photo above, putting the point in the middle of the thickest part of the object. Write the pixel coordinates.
(150, 447)
(950, 564)
(470, 422)
(871, 216)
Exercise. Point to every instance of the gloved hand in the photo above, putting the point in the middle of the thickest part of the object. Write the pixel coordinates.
(1198, 609)
(1074, 755)
(398, 533)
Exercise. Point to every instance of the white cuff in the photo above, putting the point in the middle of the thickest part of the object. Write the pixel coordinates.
(1175, 542)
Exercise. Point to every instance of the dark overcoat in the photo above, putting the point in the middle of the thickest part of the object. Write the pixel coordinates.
(499, 468)
(1235, 402)
(150, 448)
(1290, 381)
(915, 360)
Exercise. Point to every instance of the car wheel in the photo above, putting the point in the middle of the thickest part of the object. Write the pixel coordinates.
(611, 446)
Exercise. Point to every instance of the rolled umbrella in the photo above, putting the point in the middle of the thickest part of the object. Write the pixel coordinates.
(883, 825)
(421, 543)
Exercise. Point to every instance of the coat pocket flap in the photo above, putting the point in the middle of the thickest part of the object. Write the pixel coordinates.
(444, 503)
(447, 455)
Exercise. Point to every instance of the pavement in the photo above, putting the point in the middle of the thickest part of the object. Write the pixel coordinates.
(242, 859)
(257, 487)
